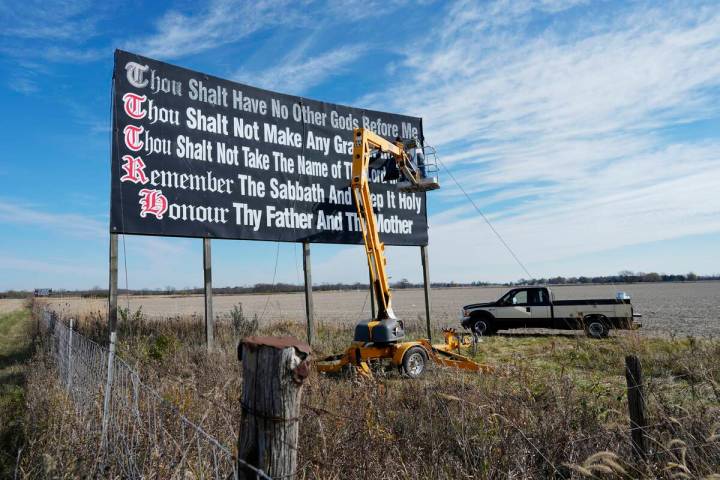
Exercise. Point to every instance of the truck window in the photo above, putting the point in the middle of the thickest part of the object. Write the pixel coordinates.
(505, 299)
(538, 296)
(520, 298)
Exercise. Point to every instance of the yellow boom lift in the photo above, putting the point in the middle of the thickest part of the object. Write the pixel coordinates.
(381, 338)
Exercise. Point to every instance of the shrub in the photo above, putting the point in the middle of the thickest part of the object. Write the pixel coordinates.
(242, 325)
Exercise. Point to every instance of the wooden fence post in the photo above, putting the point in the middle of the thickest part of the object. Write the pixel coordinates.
(274, 369)
(636, 405)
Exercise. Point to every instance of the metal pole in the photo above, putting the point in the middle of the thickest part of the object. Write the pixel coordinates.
(426, 285)
(69, 355)
(108, 388)
(372, 297)
(113, 284)
(309, 309)
(209, 319)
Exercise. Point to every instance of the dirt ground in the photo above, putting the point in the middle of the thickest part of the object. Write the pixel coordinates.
(667, 308)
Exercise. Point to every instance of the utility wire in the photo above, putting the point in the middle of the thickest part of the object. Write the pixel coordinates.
(497, 234)
(272, 290)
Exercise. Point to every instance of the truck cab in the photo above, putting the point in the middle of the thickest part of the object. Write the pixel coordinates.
(536, 307)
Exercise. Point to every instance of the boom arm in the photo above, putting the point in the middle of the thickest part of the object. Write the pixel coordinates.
(381, 338)
(366, 141)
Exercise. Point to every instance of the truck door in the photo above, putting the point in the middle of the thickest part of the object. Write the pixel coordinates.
(540, 308)
(515, 312)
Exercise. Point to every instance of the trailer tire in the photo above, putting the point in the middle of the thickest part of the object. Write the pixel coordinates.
(414, 362)
(597, 327)
(483, 326)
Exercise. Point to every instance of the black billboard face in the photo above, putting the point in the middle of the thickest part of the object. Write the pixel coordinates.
(198, 156)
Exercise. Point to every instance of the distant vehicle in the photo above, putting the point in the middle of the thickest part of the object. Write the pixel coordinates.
(536, 307)
(42, 292)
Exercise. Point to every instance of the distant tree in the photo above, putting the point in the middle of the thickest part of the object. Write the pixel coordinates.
(691, 277)
(651, 277)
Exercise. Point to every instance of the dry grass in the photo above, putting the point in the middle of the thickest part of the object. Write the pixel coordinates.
(8, 305)
(15, 351)
(555, 409)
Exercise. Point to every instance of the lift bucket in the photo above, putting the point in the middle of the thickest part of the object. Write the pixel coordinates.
(423, 164)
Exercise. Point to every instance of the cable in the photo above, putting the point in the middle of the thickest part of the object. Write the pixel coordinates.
(272, 289)
(497, 234)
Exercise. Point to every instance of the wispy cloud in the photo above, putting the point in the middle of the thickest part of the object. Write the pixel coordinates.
(23, 84)
(36, 33)
(298, 71)
(565, 130)
(16, 213)
(50, 267)
(49, 20)
(219, 23)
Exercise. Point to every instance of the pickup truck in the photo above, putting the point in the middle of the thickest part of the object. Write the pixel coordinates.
(536, 307)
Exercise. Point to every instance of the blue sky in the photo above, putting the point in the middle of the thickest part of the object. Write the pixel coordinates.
(588, 132)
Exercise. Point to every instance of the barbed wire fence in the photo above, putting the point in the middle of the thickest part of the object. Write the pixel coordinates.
(137, 431)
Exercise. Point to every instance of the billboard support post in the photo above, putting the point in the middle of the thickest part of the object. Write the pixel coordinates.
(113, 283)
(309, 307)
(426, 285)
(209, 319)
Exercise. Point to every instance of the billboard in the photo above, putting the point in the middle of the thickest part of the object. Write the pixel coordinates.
(198, 156)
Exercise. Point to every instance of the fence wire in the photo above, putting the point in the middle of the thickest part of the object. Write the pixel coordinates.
(139, 434)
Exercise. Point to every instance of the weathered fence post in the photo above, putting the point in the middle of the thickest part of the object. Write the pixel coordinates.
(108, 390)
(69, 356)
(636, 405)
(274, 369)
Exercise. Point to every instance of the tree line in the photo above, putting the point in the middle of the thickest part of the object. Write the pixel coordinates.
(625, 276)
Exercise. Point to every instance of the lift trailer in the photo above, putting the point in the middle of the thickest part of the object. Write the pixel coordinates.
(381, 338)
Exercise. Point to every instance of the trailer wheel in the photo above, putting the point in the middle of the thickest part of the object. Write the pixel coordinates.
(482, 326)
(596, 327)
(415, 362)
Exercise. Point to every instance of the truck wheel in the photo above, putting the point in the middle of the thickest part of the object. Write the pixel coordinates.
(414, 362)
(596, 328)
(482, 327)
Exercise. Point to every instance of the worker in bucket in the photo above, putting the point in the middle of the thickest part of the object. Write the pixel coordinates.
(417, 157)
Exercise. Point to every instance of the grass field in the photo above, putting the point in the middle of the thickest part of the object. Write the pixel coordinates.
(15, 350)
(555, 408)
(667, 308)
